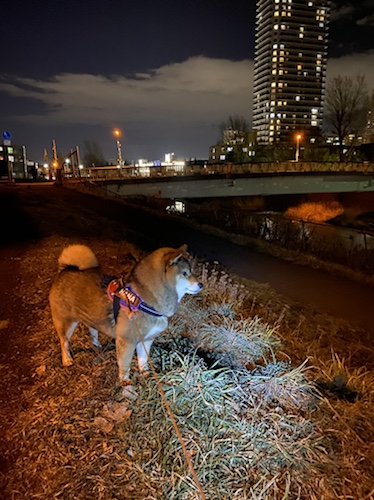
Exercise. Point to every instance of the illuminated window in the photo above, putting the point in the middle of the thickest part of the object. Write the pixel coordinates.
(301, 35)
(299, 67)
(297, 98)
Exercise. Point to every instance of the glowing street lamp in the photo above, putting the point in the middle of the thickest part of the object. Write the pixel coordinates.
(297, 152)
(117, 134)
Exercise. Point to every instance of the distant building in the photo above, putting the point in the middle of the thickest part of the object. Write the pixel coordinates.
(290, 68)
(236, 146)
(13, 163)
(369, 130)
(170, 164)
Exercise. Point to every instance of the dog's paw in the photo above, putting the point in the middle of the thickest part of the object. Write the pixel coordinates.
(67, 361)
(129, 392)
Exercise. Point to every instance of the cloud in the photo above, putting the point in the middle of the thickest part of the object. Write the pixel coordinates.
(343, 12)
(199, 89)
(366, 21)
(352, 65)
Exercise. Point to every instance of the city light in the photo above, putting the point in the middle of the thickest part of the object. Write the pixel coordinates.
(117, 134)
(297, 152)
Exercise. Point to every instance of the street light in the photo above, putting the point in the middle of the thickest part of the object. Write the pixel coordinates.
(297, 152)
(117, 134)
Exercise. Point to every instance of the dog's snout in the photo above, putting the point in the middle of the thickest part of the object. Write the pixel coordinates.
(200, 285)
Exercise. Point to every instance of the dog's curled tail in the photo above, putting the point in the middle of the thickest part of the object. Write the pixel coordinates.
(79, 256)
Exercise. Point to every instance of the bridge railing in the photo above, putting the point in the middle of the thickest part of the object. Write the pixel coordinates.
(130, 172)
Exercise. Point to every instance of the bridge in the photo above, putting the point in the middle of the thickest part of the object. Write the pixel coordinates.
(256, 179)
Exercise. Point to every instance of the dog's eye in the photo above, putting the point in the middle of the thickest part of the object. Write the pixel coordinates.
(185, 273)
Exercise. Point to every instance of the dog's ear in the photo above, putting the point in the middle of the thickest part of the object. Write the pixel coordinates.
(176, 255)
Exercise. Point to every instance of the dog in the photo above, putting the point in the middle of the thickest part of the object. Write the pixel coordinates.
(134, 314)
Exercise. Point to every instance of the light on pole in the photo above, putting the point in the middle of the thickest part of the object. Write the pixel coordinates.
(117, 135)
(297, 152)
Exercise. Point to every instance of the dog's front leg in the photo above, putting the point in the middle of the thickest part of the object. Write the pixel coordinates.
(142, 350)
(125, 349)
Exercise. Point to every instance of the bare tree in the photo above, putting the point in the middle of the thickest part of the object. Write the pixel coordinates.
(92, 154)
(237, 124)
(346, 104)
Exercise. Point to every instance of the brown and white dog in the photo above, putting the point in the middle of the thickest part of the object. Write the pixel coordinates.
(151, 296)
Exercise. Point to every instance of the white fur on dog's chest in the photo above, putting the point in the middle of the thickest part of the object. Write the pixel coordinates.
(159, 327)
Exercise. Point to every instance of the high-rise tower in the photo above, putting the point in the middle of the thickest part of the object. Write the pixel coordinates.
(290, 69)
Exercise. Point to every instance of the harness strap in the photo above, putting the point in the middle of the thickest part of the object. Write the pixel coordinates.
(128, 299)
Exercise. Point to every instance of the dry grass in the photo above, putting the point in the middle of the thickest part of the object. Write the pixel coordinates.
(252, 417)
(315, 211)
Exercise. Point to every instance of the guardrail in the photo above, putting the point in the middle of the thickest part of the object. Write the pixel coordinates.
(116, 173)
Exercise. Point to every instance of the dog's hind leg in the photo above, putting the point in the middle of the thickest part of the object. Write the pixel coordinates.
(94, 337)
(65, 331)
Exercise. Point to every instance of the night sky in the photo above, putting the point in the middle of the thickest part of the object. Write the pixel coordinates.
(167, 73)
